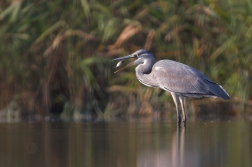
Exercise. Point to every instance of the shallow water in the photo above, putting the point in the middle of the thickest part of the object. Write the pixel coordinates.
(126, 143)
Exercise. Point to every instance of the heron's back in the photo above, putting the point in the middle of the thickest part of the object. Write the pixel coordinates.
(185, 81)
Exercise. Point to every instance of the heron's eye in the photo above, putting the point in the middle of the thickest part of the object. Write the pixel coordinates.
(136, 55)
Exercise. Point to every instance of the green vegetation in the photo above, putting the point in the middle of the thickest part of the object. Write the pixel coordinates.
(54, 55)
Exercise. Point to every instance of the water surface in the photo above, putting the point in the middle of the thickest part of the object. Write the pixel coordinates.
(126, 143)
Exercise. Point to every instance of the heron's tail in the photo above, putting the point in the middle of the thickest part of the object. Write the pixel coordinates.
(219, 91)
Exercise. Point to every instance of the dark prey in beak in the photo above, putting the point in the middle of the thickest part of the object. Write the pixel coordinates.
(121, 61)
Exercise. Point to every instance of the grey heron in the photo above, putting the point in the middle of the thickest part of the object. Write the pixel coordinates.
(179, 79)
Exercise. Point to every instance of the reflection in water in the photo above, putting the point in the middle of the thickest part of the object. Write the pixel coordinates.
(164, 156)
(178, 148)
(141, 144)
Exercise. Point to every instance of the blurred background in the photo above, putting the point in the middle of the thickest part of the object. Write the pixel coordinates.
(55, 55)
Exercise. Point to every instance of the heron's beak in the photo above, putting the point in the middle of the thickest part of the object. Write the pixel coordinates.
(123, 58)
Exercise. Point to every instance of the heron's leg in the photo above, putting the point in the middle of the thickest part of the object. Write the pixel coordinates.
(176, 101)
(181, 99)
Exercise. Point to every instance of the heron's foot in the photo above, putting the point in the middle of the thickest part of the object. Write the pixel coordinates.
(184, 123)
(178, 121)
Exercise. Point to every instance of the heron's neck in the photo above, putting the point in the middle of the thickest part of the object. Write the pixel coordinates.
(144, 74)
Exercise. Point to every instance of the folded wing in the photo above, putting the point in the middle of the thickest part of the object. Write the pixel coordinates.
(185, 80)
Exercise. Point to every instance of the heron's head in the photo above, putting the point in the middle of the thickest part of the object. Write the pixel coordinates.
(140, 56)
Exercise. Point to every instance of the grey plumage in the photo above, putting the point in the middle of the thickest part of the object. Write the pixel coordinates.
(179, 79)
(185, 80)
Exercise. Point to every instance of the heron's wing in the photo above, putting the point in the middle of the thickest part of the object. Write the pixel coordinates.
(180, 78)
